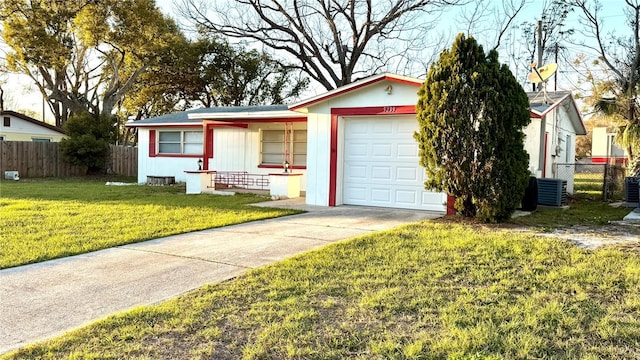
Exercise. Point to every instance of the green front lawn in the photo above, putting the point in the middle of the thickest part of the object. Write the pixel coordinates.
(588, 185)
(424, 291)
(580, 212)
(48, 219)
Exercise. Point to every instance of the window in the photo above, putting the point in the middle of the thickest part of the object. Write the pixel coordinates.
(273, 147)
(1, 137)
(180, 142)
(7, 121)
(40, 140)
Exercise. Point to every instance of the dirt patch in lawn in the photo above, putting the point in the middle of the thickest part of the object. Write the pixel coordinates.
(620, 234)
(593, 237)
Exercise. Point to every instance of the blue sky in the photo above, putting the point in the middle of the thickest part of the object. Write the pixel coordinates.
(447, 27)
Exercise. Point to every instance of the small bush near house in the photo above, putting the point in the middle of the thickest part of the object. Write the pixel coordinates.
(88, 141)
(471, 114)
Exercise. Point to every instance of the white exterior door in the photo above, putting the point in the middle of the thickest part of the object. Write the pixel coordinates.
(381, 165)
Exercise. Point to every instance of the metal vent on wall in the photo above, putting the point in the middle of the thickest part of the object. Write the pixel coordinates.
(552, 192)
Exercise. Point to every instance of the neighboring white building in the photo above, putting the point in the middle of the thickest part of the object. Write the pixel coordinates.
(352, 145)
(551, 135)
(603, 148)
(15, 126)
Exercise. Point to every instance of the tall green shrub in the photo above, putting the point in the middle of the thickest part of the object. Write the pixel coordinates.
(88, 140)
(471, 113)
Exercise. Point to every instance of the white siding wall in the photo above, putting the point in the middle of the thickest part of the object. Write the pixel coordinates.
(319, 131)
(234, 149)
(563, 147)
(532, 145)
(318, 157)
(599, 142)
(229, 149)
(161, 165)
(21, 130)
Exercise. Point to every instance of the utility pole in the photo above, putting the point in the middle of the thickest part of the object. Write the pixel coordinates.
(539, 49)
(555, 75)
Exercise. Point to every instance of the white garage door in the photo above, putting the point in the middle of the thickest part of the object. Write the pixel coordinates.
(381, 165)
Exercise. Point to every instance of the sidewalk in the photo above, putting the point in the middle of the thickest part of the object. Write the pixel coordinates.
(47, 299)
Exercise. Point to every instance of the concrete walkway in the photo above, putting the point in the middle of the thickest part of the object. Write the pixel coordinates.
(44, 300)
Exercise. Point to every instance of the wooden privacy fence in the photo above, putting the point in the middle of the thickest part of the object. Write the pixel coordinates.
(124, 160)
(44, 159)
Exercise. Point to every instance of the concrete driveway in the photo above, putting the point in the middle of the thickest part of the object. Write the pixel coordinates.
(44, 300)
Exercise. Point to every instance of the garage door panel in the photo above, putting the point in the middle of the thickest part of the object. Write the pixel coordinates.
(356, 172)
(407, 174)
(357, 128)
(382, 151)
(381, 195)
(381, 165)
(381, 172)
(381, 128)
(408, 151)
(429, 197)
(358, 194)
(357, 149)
(407, 127)
(407, 197)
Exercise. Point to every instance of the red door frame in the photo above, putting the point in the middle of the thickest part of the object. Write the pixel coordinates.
(336, 113)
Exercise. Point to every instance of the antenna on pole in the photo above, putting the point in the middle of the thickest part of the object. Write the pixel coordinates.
(541, 76)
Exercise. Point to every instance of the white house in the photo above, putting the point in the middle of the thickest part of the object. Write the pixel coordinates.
(352, 145)
(551, 135)
(15, 126)
(603, 148)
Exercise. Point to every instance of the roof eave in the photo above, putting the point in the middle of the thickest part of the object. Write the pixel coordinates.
(230, 116)
(172, 124)
(300, 106)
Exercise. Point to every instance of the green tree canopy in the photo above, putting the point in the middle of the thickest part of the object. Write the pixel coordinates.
(210, 72)
(84, 55)
(88, 140)
(471, 113)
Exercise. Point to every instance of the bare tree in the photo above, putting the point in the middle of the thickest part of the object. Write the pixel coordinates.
(619, 53)
(502, 15)
(334, 42)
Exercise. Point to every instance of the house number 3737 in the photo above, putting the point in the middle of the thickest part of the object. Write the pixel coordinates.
(389, 109)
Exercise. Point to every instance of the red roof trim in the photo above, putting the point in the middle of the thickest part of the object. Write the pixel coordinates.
(169, 125)
(538, 115)
(352, 87)
(231, 121)
(375, 110)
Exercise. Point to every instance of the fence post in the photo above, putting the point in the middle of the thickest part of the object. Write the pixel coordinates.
(605, 186)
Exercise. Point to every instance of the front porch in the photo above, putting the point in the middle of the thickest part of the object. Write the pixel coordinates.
(285, 185)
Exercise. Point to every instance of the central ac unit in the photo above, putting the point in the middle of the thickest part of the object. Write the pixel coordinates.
(552, 192)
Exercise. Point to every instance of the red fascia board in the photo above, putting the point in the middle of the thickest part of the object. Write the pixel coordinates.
(606, 159)
(191, 125)
(217, 125)
(355, 87)
(537, 115)
(375, 110)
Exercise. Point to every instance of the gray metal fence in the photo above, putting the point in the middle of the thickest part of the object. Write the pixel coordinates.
(593, 181)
